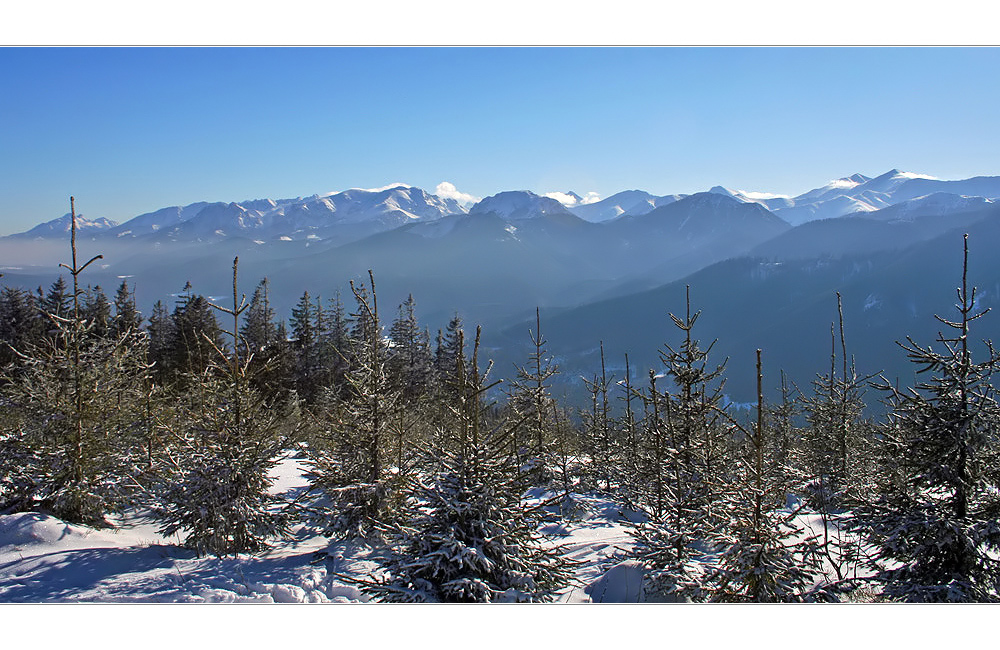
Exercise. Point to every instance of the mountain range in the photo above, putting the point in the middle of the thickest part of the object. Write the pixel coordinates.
(765, 268)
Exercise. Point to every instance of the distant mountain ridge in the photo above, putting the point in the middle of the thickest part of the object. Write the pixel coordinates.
(353, 214)
(613, 268)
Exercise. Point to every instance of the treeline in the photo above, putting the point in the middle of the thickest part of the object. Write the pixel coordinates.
(414, 445)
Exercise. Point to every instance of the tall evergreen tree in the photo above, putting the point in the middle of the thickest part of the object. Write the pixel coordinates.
(58, 300)
(20, 323)
(194, 335)
(830, 449)
(127, 317)
(449, 348)
(306, 324)
(602, 443)
(936, 522)
(160, 331)
(96, 310)
(410, 362)
(268, 354)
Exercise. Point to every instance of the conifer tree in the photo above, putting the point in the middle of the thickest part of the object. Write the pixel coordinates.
(160, 331)
(337, 345)
(448, 350)
(231, 437)
(266, 350)
(194, 336)
(96, 309)
(935, 523)
(764, 556)
(20, 323)
(832, 459)
(468, 536)
(830, 448)
(351, 462)
(410, 362)
(58, 300)
(127, 316)
(313, 353)
(602, 444)
(69, 438)
(530, 402)
(682, 466)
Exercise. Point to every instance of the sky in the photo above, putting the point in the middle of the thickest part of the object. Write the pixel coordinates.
(131, 130)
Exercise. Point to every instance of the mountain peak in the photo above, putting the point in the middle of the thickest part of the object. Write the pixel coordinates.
(718, 189)
(519, 204)
(60, 226)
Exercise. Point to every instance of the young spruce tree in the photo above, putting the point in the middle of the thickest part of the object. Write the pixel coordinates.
(468, 537)
(69, 443)
(936, 524)
(229, 437)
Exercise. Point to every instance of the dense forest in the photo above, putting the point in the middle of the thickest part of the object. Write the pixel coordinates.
(410, 441)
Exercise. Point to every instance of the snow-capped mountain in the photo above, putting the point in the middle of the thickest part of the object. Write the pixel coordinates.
(350, 214)
(858, 194)
(518, 205)
(937, 204)
(151, 222)
(389, 207)
(342, 217)
(623, 203)
(710, 214)
(59, 228)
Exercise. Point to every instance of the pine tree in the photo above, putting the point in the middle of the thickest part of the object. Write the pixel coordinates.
(268, 354)
(58, 300)
(410, 362)
(765, 556)
(306, 323)
(20, 323)
(682, 466)
(468, 536)
(351, 462)
(194, 336)
(603, 446)
(936, 523)
(832, 459)
(68, 440)
(160, 331)
(337, 345)
(446, 354)
(231, 437)
(96, 310)
(530, 401)
(830, 448)
(127, 317)
(629, 487)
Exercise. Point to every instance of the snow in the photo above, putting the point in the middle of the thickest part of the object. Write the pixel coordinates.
(622, 583)
(755, 196)
(43, 559)
(570, 199)
(841, 184)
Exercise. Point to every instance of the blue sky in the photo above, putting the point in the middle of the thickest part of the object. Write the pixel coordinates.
(132, 130)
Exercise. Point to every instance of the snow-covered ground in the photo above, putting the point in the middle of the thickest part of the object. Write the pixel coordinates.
(43, 559)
